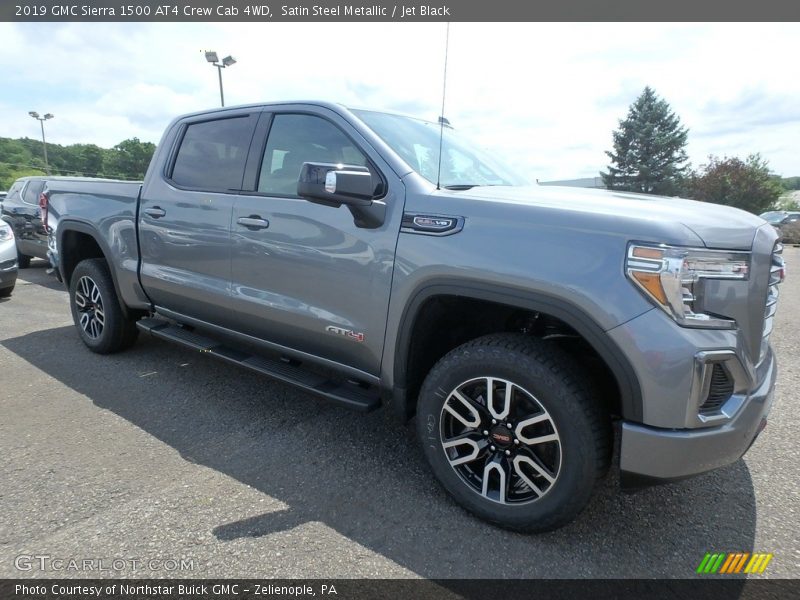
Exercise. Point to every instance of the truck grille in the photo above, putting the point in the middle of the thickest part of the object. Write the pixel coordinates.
(776, 275)
(719, 391)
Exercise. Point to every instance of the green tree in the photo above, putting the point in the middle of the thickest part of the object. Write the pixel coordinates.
(88, 159)
(129, 159)
(745, 184)
(649, 149)
(791, 183)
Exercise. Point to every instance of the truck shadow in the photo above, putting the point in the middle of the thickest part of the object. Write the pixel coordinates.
(363, 475)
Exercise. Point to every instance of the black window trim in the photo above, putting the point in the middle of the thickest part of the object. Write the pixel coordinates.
(184, 127)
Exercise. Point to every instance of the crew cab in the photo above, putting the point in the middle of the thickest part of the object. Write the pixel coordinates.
(522, 326)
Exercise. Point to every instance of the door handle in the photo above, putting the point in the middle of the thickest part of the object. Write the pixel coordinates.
(156, 212)
(253, 222)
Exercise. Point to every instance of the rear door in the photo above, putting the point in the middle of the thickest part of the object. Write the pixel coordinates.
(304, 275)
(185, 216)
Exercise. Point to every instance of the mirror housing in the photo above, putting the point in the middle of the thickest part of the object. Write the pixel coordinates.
(352, 185)
(335, 185)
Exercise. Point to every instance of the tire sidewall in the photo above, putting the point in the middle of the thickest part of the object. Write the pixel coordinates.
(98, 273)
(576, 479)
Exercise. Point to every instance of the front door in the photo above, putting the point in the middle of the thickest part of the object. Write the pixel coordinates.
(303, 275)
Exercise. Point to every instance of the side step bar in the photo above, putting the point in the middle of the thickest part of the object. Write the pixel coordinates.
(347, 394)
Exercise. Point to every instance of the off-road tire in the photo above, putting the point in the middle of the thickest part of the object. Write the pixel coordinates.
(91, 277)
(554, 380)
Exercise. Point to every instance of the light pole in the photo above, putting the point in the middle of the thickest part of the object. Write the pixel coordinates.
(41, 120)
(212, 57)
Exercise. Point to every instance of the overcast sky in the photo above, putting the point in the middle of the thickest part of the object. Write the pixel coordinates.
(545, 97)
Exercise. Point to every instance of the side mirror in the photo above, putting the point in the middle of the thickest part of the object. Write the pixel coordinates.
(354, 186)
(334, 185)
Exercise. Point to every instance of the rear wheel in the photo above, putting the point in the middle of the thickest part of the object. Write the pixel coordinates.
(6, 292)
(512, 431)
(96, 309)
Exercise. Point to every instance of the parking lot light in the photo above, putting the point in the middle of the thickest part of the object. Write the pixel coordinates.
(213, 58)
(41, 120)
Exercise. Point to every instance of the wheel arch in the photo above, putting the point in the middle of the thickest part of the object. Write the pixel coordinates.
(68, 258)
(631, 402)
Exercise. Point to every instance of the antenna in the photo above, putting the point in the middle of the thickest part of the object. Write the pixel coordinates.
(442, 120)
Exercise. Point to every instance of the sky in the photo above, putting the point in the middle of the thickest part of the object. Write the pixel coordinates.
(543, 97)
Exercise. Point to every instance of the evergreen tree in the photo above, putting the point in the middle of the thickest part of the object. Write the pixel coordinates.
(649, 149)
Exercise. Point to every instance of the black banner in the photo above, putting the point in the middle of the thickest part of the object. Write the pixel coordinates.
(435, 10)
(417, 589)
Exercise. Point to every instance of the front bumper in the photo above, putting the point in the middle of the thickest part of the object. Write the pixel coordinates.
(651, 455)
(8, 276)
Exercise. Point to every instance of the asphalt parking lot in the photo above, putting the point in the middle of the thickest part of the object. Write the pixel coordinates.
(159, 454)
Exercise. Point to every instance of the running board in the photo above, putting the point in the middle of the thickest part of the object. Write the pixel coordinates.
(350, 395)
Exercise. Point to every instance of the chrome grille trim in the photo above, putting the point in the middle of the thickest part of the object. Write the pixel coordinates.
(776, 273)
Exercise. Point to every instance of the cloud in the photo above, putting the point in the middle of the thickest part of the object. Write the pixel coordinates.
(544, 97)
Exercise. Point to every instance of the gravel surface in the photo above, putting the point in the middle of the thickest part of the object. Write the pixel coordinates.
(159, 454)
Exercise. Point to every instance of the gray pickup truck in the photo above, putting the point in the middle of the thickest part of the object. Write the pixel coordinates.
(524, 327)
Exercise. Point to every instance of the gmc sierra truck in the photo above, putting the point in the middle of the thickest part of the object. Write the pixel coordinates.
(524, 327)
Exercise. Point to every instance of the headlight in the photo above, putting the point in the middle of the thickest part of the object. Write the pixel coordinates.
(672, 277)
(6, 233)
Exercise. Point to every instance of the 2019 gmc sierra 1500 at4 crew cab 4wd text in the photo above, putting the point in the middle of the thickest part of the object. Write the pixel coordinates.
(523, 326)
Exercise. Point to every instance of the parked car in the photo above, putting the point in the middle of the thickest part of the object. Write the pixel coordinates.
(777, 218)
(331, 249)
(24, 210)
(8, 260)
(21, 210)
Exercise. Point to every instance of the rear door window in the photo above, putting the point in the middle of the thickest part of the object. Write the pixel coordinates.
(212, 154)
(32, 191)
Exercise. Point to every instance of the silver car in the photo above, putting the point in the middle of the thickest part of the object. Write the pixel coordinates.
(8, 260)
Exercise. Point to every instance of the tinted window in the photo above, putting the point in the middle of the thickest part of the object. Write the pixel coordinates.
(32, 191)
(212, 155)
(295, 139)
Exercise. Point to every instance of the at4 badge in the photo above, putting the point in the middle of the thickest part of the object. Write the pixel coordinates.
(349, 333)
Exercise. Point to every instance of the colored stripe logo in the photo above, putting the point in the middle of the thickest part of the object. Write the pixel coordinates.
(734, 562)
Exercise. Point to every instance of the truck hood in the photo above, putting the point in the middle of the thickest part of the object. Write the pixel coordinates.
(717, 226)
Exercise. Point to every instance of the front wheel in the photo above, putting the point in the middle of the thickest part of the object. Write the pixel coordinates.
(513, 432)
(96, 310)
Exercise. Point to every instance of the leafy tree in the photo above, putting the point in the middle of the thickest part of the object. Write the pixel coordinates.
(791, 183)
(24, 156)
(130, 158)
(649, 149)
(9, 175)
(745, 184)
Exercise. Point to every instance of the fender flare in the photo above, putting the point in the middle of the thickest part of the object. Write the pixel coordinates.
(563, 309)
(91, 231)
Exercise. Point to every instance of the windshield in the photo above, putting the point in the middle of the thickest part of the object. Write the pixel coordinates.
(417, 142)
